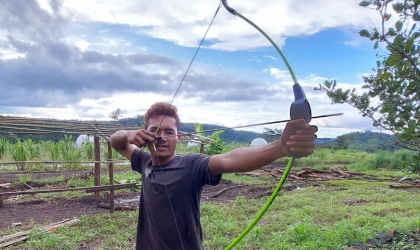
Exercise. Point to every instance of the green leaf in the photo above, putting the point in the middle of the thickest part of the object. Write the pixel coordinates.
(375, 46)
(364, 33)
(392, 60)
(398, 7)
(198, 127)
(391, 32)
(398, 25)
(416, 16)
(410, 44)
(327, 84)
(215, 135)
(365, 3)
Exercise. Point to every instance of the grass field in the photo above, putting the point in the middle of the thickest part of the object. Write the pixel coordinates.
(331, 214)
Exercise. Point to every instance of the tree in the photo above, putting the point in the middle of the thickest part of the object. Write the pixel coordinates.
(272, 134)
(343, 141)
(115, 115)
(392, 97)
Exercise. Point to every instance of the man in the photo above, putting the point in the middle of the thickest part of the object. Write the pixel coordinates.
(169, 215)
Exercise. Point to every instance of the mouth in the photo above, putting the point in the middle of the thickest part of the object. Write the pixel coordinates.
(161, 147)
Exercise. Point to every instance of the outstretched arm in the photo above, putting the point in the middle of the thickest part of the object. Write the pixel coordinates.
(297, 140)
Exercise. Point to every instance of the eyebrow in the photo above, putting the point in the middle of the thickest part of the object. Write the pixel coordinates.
(166, 129)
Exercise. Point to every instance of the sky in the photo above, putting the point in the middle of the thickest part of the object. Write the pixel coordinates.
(83, 59)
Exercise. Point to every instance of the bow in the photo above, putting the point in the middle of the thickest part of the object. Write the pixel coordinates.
(299, 109)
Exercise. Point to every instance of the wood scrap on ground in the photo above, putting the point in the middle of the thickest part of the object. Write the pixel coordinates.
(5, 185)
(340, 172)
(24, 235)
(224, 190)
(118, 207)
(404, 186)
(308, 173)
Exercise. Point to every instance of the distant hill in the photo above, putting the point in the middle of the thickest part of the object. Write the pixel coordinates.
(227, 136)
(367, 140)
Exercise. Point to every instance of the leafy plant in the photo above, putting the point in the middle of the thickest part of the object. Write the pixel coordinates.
(19, 154)
(88, 148)
(272, 134)
(54, 151)
(213, 147)
(32, 148)
(69, 151)
(3, 147)
(392, 97)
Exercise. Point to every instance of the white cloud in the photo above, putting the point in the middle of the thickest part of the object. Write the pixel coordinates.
(173, 21)
(82, 45)
(80, 66)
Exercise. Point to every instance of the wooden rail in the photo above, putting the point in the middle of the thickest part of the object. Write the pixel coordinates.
(88, 189)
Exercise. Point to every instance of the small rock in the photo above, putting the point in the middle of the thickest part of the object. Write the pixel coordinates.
(359, 246)
(16, 224)
(403, 179)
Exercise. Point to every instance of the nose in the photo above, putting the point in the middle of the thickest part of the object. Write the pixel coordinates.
(160, 138)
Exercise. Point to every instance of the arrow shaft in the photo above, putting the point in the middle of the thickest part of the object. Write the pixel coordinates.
(243, 126)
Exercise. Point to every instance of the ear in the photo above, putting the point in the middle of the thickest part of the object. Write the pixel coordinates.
(179, 136)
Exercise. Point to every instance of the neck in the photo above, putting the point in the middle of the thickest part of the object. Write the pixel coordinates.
(157, 161)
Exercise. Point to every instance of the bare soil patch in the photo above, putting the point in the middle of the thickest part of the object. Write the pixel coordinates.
(27, 211)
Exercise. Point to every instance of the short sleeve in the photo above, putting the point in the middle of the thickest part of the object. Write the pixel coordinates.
(139, 160)
(199, 169)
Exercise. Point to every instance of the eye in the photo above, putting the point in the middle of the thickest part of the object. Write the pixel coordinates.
(170, 132)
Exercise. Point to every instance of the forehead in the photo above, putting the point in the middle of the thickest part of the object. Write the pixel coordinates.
(167, 122)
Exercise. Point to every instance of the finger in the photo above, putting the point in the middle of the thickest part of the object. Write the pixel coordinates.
(301, 152)
(310, 130)
(146, 136)
(139, 142)
(300, 144)
(293, 139)
(150, 133)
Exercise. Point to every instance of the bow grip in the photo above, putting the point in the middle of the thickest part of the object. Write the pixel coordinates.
(300, 108)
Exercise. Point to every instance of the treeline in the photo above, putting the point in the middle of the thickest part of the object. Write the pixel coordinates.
(227, 136)
(367, 141)
(54, 137)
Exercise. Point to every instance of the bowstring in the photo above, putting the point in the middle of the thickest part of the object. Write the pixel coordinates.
(164, 115)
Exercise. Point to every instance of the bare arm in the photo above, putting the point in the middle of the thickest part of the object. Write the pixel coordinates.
(125, 141)
(297, 140)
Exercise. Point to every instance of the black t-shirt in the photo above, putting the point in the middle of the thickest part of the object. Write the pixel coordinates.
(176, 224)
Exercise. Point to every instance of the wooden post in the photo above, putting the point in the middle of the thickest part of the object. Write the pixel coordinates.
(111, 179)
(97, 169)
(202, 148)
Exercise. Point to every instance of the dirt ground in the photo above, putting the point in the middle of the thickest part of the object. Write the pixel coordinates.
(28, 210)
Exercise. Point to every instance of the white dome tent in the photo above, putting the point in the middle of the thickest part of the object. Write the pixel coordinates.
(258, 142)
(82, 138)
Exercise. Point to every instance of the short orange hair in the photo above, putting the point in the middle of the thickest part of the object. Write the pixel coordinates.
(162, 108)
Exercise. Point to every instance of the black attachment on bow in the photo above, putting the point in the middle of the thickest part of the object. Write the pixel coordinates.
(300, 108)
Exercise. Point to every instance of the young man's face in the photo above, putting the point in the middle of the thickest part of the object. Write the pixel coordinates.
(165, 148)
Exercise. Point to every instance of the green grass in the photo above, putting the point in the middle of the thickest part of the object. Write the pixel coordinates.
(248, 180)
(74, 182)
(108, 231)
(332, 215)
